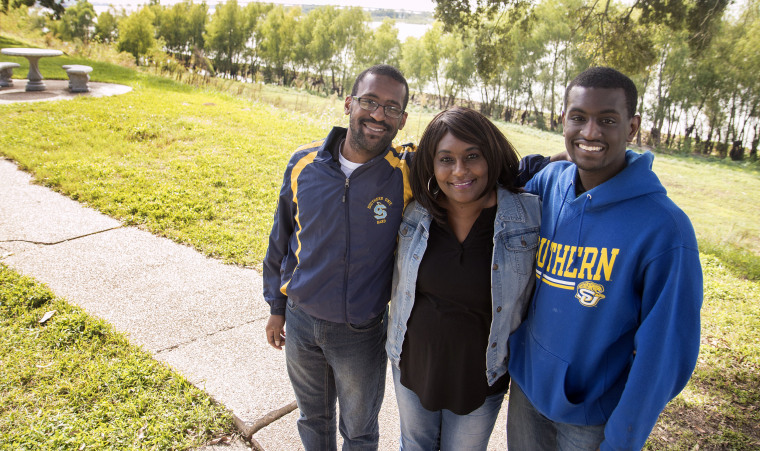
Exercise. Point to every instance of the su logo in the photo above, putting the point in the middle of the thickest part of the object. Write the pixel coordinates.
(589, 293)
(380, 212)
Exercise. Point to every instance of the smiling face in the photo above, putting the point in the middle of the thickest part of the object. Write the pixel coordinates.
(596, 129)
(461, 171)
(371, 132)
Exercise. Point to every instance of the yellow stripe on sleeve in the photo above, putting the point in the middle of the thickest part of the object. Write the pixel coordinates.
(297, 169)
(403, 165)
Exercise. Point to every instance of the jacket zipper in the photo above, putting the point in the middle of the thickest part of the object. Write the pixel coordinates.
(347, 255)
(345, 190)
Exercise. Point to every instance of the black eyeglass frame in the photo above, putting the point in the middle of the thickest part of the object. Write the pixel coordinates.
(372, 106)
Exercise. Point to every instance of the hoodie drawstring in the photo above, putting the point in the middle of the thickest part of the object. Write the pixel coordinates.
(554, 233)
(583, 213)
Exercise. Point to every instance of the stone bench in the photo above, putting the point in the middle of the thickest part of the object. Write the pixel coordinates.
(6, 72)
(78, 77)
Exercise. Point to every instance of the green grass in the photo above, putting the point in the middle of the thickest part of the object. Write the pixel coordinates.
(72, 382)
(203, 166)
(199, 167)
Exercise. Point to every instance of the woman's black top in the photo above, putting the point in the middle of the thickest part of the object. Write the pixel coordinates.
(443, 358)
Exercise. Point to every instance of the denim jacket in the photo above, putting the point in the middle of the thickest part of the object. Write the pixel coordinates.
(516, 230)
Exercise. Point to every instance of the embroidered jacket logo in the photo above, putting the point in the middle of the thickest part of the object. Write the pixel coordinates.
(380, 212)
(589, 293)
(379, 207)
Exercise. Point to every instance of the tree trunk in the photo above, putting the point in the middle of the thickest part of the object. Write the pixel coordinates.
(737, 151)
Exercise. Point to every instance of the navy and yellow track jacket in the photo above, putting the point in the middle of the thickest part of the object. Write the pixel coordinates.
(332, 244)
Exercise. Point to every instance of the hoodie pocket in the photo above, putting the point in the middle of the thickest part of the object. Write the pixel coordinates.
(545, 384)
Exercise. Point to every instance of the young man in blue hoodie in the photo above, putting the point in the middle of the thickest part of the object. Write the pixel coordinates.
(612, 334)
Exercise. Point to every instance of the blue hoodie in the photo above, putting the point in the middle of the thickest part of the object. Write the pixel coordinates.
(613, 331)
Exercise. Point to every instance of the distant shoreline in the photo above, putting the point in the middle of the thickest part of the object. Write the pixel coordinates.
(423, 7)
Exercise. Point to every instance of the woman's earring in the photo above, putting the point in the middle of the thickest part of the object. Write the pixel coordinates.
(437, 188)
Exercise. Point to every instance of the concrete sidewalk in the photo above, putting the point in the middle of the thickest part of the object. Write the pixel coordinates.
(57, 90)
(203, 318)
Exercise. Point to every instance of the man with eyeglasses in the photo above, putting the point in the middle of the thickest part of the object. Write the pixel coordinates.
(329, 265)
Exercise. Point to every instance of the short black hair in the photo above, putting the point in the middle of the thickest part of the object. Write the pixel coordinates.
(388, 71)
(473, 128)
(607, 78)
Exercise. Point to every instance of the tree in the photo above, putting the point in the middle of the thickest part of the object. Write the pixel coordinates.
(316, 47)
(416, 63)
(56, 6)
(174, 29)
(277, 32)
(607, 20)
(225, 37)
(106, 28)
(666, 78)
(554, 33)
(302, 39)
(747, 58)
(382, 46)
(253, 14)
(76, 22)
(196, 23)
(451, 63)
(136, 33)
(349, 30)
(741, 94)
(181, 27)
(495, 49)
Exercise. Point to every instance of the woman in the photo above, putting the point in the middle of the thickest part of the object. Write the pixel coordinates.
(462, 281)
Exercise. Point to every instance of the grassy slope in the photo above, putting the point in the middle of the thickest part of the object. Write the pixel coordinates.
(204, 168)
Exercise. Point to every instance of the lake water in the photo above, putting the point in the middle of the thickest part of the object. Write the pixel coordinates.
(405, 30)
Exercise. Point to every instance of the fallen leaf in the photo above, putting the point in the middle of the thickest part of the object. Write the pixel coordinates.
(47, 316)
(225, 439)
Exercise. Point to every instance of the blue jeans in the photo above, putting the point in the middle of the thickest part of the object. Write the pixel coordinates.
(423, 429)
(527, 429)
(329, 361)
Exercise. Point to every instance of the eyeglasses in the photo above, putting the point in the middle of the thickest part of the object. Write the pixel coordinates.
(371, 105)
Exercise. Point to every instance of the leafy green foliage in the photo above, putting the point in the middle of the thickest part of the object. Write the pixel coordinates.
(106, 28)
(72, 382)
(182, 27)
(137, 34)
(225, 35)
(381, 47)
(56, 6)
(76, 21)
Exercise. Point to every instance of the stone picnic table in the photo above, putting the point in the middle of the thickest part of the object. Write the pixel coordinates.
(33, 55)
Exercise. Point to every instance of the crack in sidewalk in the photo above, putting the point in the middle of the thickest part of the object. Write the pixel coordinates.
(210, 334)
(44, 243)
